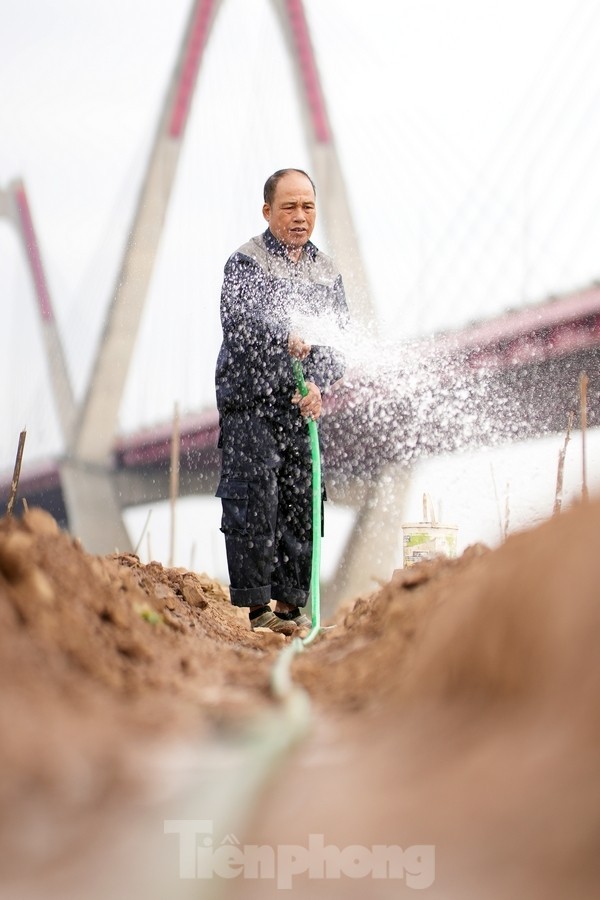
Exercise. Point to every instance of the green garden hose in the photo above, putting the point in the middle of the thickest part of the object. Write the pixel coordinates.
(237, 795)
(228, 790)
(315, 452)
(293, 696)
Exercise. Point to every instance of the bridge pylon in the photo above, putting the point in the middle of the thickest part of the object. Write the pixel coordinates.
(90, 489)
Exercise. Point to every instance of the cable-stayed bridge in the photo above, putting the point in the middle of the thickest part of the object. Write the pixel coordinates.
(521, 370)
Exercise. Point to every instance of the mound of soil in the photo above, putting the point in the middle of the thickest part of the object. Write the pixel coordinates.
(456, 708)
(100, 658)
(467, 697)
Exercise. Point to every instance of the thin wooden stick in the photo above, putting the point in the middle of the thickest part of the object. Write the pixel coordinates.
(428, 510)
(500, 529)
(507, 510)
(561, 466)
(174, 481)
(583, 383)
(146, 523)
(16, 474)
(432, 515)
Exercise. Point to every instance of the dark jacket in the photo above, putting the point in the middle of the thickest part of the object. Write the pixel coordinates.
(263, 295)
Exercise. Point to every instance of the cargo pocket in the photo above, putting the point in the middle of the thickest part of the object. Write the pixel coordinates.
(234, 499)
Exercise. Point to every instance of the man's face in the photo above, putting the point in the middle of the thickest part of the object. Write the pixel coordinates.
(291, 216)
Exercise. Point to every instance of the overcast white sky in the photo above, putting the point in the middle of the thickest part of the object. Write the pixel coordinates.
(468, 132)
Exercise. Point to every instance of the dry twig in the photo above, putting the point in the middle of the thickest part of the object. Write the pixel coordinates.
(583, 383)
(561, 466)
(174, 481)
(16, 474)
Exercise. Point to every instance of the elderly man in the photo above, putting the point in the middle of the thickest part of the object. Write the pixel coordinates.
(274, 285)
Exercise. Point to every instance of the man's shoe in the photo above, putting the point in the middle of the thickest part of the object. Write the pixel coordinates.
(269, 620)
(295, 615)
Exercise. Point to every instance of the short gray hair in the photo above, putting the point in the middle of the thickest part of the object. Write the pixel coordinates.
(274, 179)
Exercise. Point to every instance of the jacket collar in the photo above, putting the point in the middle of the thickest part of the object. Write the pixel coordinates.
(276, 247)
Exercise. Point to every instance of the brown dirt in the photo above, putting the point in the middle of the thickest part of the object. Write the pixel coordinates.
(455, 707)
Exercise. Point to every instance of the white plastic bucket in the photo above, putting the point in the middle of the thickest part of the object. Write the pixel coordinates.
(424, 540)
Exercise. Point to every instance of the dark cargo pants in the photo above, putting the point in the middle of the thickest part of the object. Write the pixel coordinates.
(266, 496)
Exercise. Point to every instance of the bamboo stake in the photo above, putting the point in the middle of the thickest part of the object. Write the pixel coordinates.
(507, 510)
(174, 480)
(146, 523)
(433, 517)
(561, 467)
(428, 510)
(583, 383)
(499, 514)
(16, 473)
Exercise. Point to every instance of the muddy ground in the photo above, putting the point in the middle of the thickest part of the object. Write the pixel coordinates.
(455, 714)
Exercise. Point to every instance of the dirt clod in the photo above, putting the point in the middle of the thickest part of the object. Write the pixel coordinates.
(456, 706)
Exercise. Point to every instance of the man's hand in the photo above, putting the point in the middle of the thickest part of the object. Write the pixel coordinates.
(298, 348)
(311, 405)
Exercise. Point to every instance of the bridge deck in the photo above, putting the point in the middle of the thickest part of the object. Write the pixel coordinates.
(512, 378)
